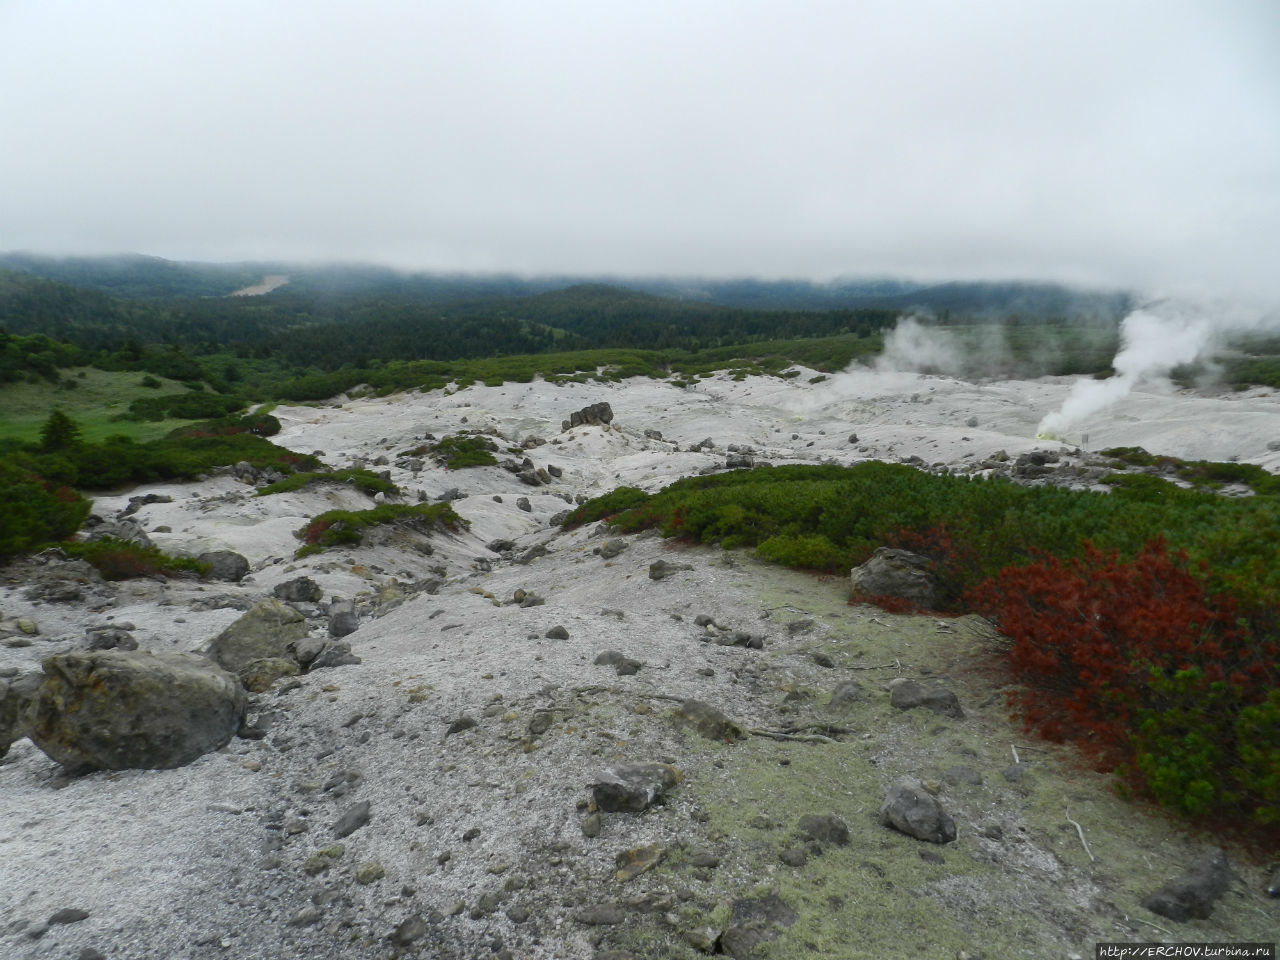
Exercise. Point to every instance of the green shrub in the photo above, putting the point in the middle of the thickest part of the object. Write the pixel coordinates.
(35, 511)
(123, 560)
(622, 498)
(183, 406)
(363, 480)
(338, 527)
(463, 450)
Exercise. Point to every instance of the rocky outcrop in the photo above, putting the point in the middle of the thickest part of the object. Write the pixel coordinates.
(113, 710)
(265, 631)
(596, 414)
(896, 573)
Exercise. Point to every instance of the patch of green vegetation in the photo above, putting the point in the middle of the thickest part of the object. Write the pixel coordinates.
(123, 560)
(35, 511)
(364, 480)
(1206, 475)
(598, 508)
(831, 518)
(338, 527)
(99, 404)
(461, 450)
(1032, 558)
(193, 405)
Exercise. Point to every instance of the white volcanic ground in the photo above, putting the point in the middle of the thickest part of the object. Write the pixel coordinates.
(207, 860)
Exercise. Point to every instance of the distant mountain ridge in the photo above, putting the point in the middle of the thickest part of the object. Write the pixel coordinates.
(137, 277)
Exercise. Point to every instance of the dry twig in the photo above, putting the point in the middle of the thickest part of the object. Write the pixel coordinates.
(1080, 830)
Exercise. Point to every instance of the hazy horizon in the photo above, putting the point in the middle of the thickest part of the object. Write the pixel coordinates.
(1128, 144)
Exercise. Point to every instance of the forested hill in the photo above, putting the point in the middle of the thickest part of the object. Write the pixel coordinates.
(333, 330)
(136, 277)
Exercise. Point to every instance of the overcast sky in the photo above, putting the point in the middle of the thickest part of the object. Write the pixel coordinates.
(1109, 142)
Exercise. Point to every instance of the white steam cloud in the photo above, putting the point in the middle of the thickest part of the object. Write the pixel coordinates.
(1153, 341)
(913, 347)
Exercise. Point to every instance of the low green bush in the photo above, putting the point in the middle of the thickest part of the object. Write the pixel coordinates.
(363, 480)
(461, 450)
(339, 527)
(622, 498)
(124, 560)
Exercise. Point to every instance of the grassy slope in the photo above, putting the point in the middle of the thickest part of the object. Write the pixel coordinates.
(98, 396)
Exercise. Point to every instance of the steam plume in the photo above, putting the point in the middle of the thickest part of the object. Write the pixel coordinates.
(1153, 341)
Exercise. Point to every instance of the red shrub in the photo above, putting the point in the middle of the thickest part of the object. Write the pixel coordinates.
(1087, 633)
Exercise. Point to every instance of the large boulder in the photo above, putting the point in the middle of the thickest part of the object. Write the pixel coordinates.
(118, 710)
(909, 694)
(596, 414)
(1192, 895)
(896, 573)
(225, 565)
(343, 618)
(298, 590)
(266, 630)
(913, 810)
(16, 698)
(632, 787)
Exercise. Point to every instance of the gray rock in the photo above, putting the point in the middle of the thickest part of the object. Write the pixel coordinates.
(500, 546)
(266, 630)
(110, 638)
(591, 824)
(461, 725)
(298, 590)
(660, 569)
(755, 922)
(626, 667)
(1192, 895)
(128, 530)
(739, 461)
(794, 856)
(600, 914)
(611, 548)
(913, 810)
(708, 721)
(259, 676)
(411, 929)
(896, 573)
(910, 694)
(632, 787)
(557, 633)
(595, 414)
(653, 434)
(352, 819)
(825, 828)
(122, 710)
(67, 915)
(963, 774)
(305, 917)
(55, 591)
(17, 697)
(343, 618)
(845, 693)
(225, 565)
(335, 654)
(522, 503)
